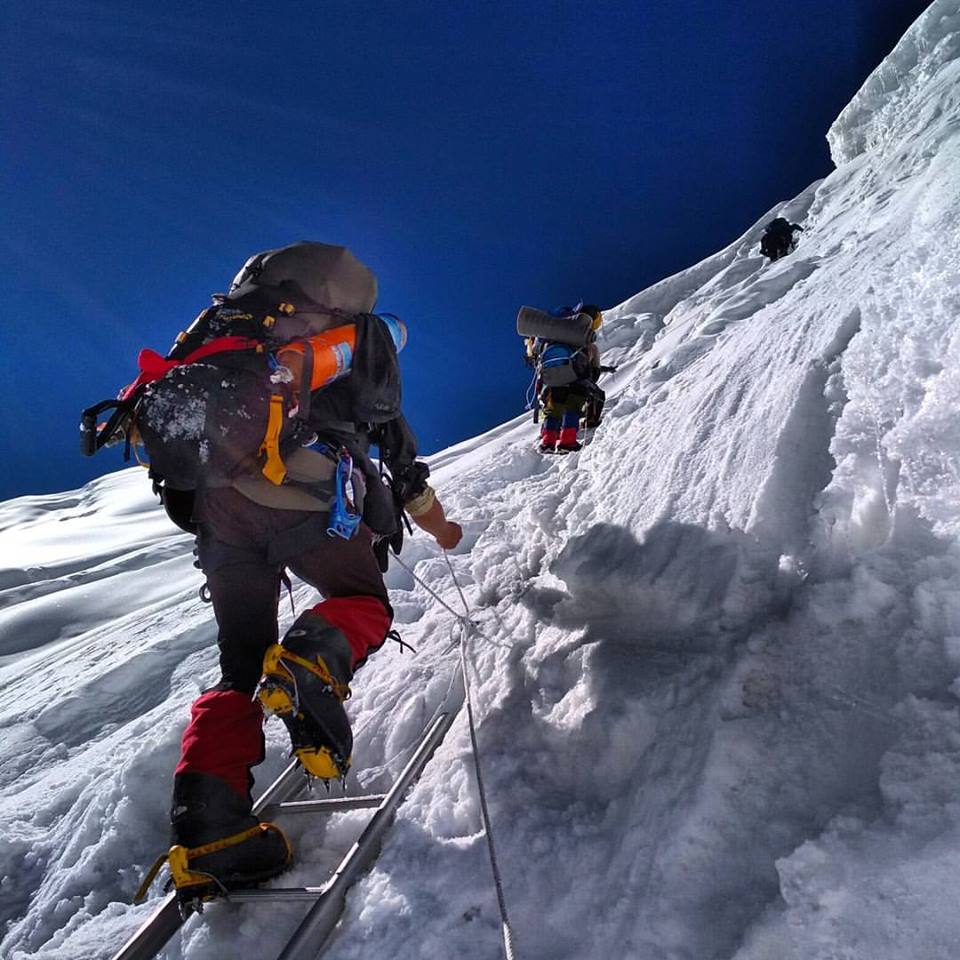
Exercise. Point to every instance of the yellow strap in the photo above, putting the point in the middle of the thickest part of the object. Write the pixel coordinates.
(179, 857)
(141, 893)
(225, 842)
(320, 670)
(274, 469)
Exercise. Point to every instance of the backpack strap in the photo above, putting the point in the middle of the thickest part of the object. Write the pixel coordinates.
(306, 382)
(94, 436)
(274, 468)
(153, 366)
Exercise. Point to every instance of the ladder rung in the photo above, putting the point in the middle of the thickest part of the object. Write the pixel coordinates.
(334, 805)
(328, 900)
(310, 937)
(276, 893)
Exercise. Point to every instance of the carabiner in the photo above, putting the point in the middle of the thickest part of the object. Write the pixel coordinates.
(343, 518)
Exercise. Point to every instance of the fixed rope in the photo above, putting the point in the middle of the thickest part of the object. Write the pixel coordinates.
(436, 596)
(443, 603)
(467, 626)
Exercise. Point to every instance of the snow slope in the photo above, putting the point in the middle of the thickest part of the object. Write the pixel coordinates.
(719, 661)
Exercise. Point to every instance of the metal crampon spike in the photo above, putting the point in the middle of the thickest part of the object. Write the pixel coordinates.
(277, 696)
(189, 907)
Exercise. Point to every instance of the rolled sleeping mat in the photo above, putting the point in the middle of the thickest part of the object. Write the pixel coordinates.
(574, 330)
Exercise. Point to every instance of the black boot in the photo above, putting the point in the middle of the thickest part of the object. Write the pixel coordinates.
(207, 811)
(305, 681)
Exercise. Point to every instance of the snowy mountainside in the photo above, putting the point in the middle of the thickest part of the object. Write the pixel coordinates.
(719, 653)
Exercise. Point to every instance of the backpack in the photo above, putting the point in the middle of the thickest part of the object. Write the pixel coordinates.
(555, 343)
(559, 364)
(221, 403)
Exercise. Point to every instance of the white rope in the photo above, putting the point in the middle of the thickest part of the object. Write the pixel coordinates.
(443, 603)
(532, 392)
(466, 626)
(433, 593)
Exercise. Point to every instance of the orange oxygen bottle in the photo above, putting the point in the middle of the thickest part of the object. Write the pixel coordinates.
(332, 355)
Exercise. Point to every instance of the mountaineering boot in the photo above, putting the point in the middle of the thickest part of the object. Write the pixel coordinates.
(217, 843)
(305, 681)
(548, 440)
(568, 441)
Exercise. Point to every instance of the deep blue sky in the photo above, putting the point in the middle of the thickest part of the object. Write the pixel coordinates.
(476, 155)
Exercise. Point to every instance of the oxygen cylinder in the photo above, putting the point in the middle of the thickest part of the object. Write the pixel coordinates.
(332, 355)
(333, 351)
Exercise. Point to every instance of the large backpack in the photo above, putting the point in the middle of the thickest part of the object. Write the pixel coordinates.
(556, 343)
(221, 403)
(559, 364)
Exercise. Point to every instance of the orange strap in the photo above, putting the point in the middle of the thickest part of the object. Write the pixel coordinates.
(274, 469)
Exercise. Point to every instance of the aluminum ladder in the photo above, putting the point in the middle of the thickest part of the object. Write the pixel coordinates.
(328, 900)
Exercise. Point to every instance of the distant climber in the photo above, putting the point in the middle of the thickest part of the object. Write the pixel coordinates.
(561, 347)
(778, 239)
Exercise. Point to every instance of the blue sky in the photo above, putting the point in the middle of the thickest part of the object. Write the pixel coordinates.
(476, 155)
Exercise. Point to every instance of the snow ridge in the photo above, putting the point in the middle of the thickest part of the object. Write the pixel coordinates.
(893, 102)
